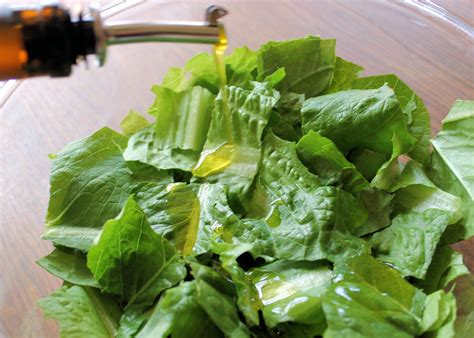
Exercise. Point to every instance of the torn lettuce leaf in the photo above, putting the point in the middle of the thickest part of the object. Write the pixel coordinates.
(345, 75)
(82, 311)
(464, 291)
(446, 266)
(282, 128)
(302, 215)
(215, 294)
(452, 166)
(180, 315)
(133, 262)
(189, 216)
(415, 192)
(367, 162)
(89, 172)
(132, 320)
(176, 138)
(323, 159)
(418, 118)
(247, 297)
(370, 119)
(317, 55)
(317, 211)
(200, 70)
(133, 122)
(233, 159)
(295, 330)
(289, 107)
(252, 232)
(410, 241)
(378, 204)
(389, 171)
(358, 119)
(69, 266)
(240, 66)
(439, 315)
(370, 299)
(144, 173)
(72, 236)
(291, 291)
(141, 148)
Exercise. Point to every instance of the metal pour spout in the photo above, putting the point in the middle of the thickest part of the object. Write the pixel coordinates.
(209, 31)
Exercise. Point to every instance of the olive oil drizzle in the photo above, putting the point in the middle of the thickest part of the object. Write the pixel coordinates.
(213, 161)
(219, 50)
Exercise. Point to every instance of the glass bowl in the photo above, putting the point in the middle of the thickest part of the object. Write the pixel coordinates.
(428, 45)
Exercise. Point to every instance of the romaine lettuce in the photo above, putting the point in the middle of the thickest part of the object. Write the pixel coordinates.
(297, 201)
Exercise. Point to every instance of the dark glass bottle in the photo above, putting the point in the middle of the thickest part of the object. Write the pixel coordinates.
(42, 41)
(48, 40)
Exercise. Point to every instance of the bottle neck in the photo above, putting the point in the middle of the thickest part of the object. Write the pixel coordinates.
(53, 42)
(46, 40)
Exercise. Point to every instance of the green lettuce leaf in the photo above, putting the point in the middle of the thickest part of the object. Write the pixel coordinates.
(452, 166)
(247, 297)
(132, 320)
(241, 66)
(291, 291)
(304, 218)
(439, 315)
(412, 106)
(345, 74)
(389, 171)
(82, 312)
(410, 242)
(252, 232)
(415, 192)
(282, 128)
(370, 119)
(200, 70)
(378, 204)
(358, 119)
(445, 267)
(90, 182)
(289, 107)
(275, 78)
(464, 291)
(317, 55)
(133, 262)
(233, 160)
(215, 294)
(144, 173)
(367, 162)
(369, 299)
(141, 148)
(189, 216)
(133, 122)
(69, 266)
(295, 330)
(73, 237)
(178, 314)
(322, 158)
(175, 140)
(279, 205)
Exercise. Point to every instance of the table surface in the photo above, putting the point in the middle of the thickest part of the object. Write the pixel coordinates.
(434, 56)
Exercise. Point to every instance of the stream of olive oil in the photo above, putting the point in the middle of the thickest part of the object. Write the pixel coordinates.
(216, 160)
(219, 50)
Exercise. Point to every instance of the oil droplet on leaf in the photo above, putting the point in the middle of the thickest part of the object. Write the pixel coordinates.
(215, 160)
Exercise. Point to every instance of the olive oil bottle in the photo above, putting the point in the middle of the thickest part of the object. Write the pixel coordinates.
(49, 40)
